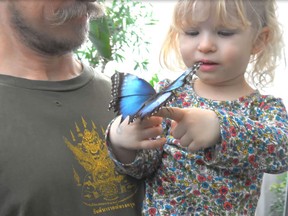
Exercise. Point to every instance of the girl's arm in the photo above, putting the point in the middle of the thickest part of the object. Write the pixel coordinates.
(254, 138)
(258, 142)
(133, 147)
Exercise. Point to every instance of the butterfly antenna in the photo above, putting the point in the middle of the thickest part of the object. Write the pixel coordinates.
(196, 67)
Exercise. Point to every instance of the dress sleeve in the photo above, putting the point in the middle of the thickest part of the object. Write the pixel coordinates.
(145, 163)
(258, 141)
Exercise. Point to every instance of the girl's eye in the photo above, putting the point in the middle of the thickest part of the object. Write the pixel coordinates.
(226, 33)
(191, 33)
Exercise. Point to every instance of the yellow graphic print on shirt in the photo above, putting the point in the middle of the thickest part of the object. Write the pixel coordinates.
(102, 187)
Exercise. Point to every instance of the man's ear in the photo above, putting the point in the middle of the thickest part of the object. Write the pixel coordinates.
(261, 41)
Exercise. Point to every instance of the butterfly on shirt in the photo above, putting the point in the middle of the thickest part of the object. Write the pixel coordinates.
(136, 98)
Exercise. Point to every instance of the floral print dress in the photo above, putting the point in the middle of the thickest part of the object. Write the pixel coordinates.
(225, 179)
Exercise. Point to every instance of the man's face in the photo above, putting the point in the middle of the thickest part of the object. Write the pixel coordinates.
(51, 27)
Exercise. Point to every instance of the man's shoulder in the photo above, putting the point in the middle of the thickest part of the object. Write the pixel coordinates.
(98, 75)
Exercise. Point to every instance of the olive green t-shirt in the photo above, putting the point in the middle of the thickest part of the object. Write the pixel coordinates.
(53, 156)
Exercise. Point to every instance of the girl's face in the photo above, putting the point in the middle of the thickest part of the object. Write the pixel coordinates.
(224, 51)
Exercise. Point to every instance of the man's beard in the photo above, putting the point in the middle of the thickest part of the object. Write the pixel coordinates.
(49, 44)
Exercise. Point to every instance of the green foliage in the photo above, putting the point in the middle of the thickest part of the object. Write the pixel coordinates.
(99, 35)
(154, 80)
(279, 189)
(120, 31)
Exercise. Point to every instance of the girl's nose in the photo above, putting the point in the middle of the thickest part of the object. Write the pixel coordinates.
(207, 44)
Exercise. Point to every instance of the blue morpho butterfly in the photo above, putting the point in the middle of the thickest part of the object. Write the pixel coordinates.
(136, 98)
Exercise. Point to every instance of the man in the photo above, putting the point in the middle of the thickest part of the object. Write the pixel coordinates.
(53, 115)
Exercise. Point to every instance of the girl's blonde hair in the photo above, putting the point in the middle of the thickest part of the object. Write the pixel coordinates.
(233, 13)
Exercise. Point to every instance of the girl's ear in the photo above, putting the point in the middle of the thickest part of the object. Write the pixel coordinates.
(261, 41)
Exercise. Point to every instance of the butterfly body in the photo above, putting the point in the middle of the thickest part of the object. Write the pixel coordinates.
(136, 98)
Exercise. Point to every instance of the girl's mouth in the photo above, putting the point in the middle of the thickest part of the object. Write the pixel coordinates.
(207, 66)
(207, 62)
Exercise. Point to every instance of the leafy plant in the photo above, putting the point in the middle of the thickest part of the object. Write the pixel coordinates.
(120, 31)
(279, 189)
(154, 80)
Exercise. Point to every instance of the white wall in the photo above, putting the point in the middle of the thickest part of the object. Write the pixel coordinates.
(281, 79)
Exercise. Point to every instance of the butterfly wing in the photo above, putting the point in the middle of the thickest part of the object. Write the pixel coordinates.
(162, 98)
(167, 95)
(129, 93)
(136, 98)
(154, 104)
(185, 77)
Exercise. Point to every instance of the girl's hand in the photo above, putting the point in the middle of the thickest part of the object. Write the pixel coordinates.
(126, 138)
(195, 128)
